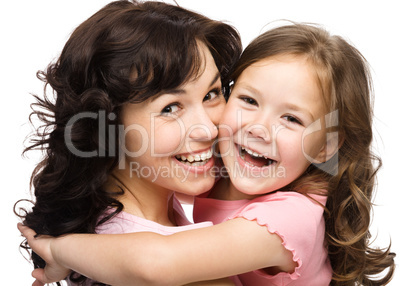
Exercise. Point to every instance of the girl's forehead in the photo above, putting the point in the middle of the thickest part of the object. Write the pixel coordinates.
(282, 58)
(287, 80)
(318, 74)
(288, 68)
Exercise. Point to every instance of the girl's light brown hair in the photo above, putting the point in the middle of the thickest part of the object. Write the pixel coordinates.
(349, 176)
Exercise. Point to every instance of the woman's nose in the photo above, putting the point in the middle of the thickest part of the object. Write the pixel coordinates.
(202, 128)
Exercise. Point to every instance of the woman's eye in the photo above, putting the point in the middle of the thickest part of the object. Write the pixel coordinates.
(249, 100)
(292, 119)
(171, 108)
(212, 95)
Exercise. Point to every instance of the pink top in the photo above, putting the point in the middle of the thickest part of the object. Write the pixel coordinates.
(297, 219)
(127, 223)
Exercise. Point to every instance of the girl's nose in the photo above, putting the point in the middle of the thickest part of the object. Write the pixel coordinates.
(259, 131)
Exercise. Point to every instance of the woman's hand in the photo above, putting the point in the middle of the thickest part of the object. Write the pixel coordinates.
(42, 245)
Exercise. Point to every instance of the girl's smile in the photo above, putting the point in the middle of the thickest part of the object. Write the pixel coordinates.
(253, 159)
(263, 138)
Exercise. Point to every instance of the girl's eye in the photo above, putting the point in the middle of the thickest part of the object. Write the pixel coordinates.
(249, 100)
(292, 119)
(212, 94)
(169, 109)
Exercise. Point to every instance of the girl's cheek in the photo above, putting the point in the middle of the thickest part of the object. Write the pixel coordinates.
(227, 111)
(311, 146)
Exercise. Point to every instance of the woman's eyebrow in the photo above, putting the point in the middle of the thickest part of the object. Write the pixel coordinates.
(180, 91)
(215, 79)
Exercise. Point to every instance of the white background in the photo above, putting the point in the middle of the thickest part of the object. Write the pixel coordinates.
(34, 32)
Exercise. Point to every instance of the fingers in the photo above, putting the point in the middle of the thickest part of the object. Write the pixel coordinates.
(52, 272)
(26, 231)
(38, 283)
(39, 275)
(29, 234)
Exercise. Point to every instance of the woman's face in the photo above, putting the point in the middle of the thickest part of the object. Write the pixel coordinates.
(272, 127)
(169, 139)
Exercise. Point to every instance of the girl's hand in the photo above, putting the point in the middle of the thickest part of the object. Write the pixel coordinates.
(41, 245)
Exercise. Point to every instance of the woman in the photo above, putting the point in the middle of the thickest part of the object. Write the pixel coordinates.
(129, 83)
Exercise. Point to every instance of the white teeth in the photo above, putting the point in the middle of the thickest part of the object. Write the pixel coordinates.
(255, 154)
(196, 158)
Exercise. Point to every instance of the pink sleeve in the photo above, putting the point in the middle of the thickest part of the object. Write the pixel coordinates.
(293, 217)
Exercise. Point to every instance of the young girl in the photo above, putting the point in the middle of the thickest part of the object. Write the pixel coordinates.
(295, 140)
(130, 85)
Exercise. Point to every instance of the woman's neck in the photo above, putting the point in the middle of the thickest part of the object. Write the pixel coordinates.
(142, 198)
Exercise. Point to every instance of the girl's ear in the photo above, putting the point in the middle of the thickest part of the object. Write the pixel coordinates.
(330, 148)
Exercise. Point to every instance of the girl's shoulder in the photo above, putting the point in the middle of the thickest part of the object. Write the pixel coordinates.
(317, 200)
(286, 209)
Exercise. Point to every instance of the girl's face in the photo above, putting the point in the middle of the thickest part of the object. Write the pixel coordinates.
(169, 139)
(271, 128)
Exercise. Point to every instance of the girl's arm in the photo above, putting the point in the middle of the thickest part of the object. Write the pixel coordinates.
(233, 247)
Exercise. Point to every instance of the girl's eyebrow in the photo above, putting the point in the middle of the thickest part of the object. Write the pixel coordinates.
(298, 108)
(249, 88)
(287, 105)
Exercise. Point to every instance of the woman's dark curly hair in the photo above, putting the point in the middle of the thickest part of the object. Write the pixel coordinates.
(126, 52)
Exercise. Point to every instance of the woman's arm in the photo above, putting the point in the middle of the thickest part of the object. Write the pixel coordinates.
(223, 250)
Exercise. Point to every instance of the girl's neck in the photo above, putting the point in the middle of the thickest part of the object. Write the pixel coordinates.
(142, 198)
(225, 190)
